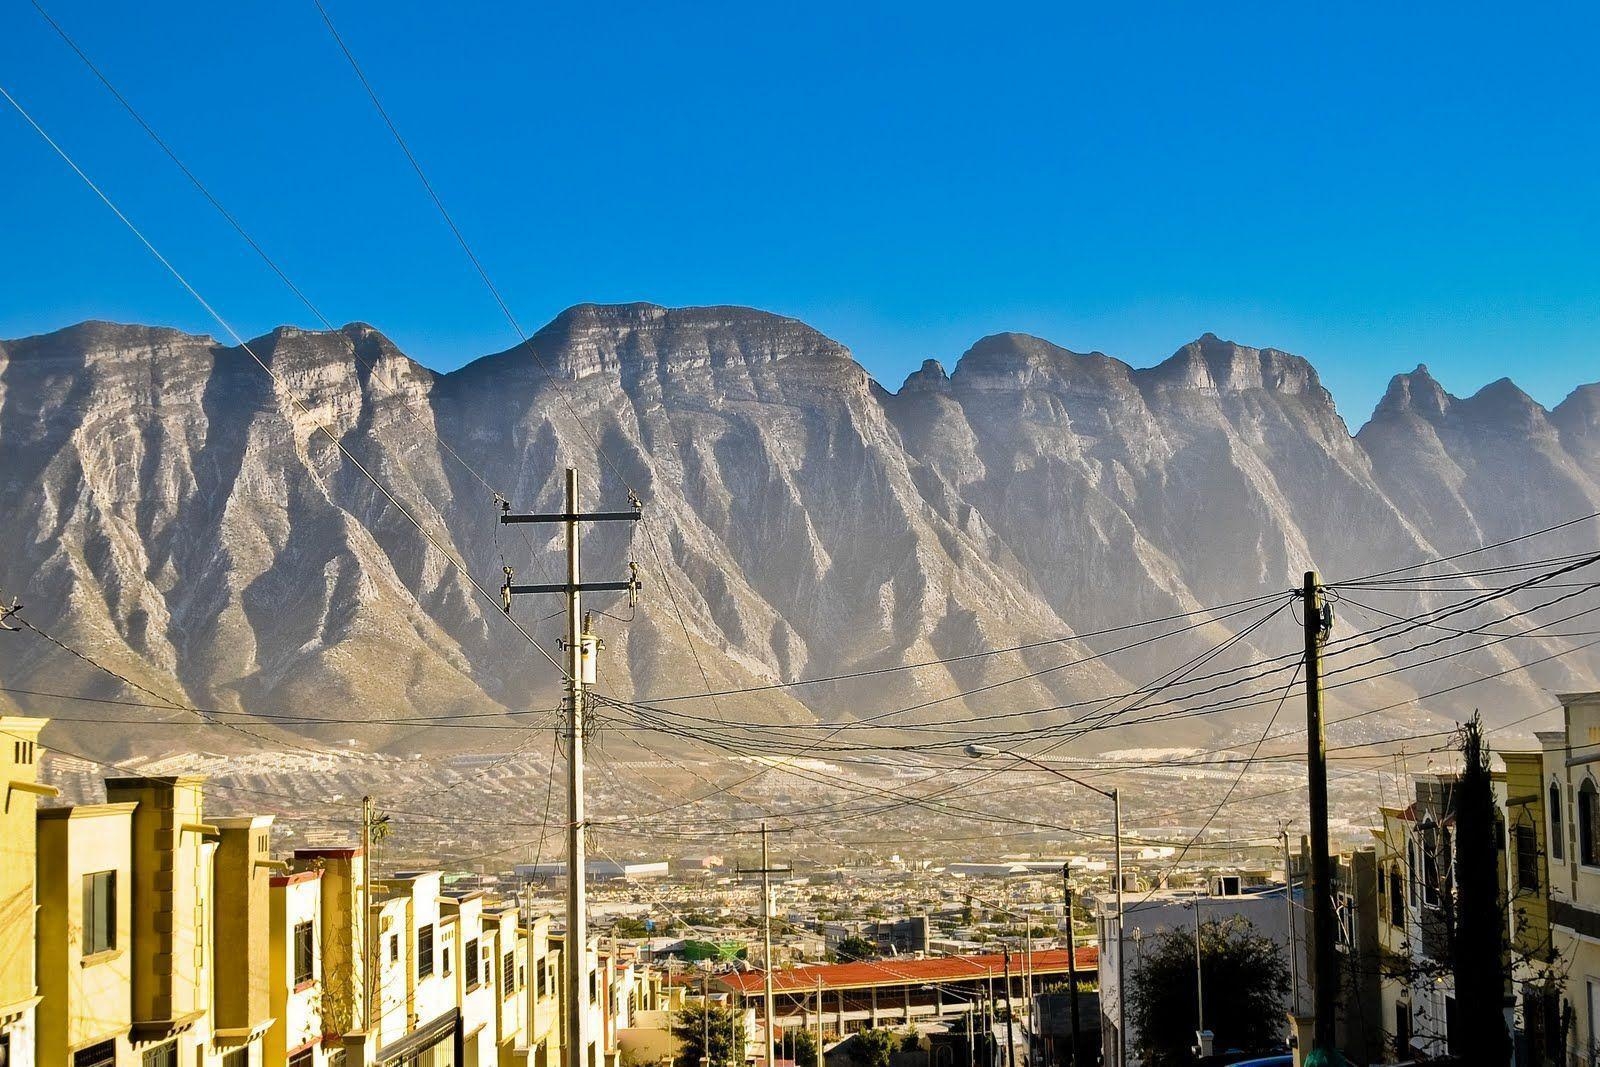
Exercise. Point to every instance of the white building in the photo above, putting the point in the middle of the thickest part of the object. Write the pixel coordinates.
(1173, 909)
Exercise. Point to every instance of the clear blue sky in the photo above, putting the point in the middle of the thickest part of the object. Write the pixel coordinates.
(1369, 187)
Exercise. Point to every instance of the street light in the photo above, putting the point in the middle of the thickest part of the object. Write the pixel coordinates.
(1115, 796)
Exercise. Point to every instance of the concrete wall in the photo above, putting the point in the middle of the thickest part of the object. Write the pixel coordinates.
(296, 1012)
(86, 999)
(243, 896)
(19, 765)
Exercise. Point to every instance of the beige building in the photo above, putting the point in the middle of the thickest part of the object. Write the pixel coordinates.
(19, 991)
(85, 935)
(1572, 802)
(152, 937)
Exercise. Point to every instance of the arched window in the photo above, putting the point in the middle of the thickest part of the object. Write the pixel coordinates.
(1588, 824)
(1558, 825)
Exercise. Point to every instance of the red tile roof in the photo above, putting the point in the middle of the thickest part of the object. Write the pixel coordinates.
(895, 971)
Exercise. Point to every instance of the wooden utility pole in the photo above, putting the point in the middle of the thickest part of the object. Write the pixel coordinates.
(1072, 961)
(581, 649)
(1318, 620)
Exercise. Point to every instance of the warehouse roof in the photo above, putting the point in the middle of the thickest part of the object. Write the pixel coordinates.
(895, 971)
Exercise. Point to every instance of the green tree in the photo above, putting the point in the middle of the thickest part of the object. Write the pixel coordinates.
(1246, 977)
(1479, 949)
(628, 927)
(695, 1021)
(800, 1045)
(876, 1047)
(856, 948)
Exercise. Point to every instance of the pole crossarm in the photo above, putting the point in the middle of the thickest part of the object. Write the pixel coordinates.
(632, 585)
(569, 516)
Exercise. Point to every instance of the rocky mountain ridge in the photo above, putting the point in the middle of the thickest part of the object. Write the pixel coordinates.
(176, 512)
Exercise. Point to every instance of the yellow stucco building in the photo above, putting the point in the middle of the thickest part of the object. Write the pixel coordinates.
(141, 933)
(19, 993)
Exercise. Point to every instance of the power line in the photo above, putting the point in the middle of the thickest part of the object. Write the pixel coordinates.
(277, 379)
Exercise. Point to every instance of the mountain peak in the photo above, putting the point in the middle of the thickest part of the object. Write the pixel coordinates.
(1417, 393)
(1212, 365)
(929, 378)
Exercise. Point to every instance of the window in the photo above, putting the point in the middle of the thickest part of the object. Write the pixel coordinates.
(1402, 1029)
(239, 1057)
(304, 953)
(539, 976)
(446, 957)
(425, 951)
(303, 1059)
(508, 973)
(1588, 824)
(394, 948)
(1345, 915)
(1397, 900)
(1558, 823)
(164, 1056)
(594, 988)
(471, 957)
(1430, 867)
(99, 912)
(102, 1055)
(1527, 844)
(1411, 870)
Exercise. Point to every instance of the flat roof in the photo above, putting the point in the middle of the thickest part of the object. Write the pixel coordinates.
(87, 811)
(896, 971)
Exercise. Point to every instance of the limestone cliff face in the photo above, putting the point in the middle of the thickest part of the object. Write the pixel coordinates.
(178, 513)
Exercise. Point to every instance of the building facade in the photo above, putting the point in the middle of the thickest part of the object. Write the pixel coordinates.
(141, 933)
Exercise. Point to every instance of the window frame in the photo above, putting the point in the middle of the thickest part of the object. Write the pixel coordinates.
(1558, 823)
(1525, 841)
(1429, 849)
(472, 970)
(305, 940)
(1588, 823)
(99, 912)
(425, 950)
(103, 1054)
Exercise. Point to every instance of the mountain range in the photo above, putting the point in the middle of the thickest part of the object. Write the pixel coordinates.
(189, 521)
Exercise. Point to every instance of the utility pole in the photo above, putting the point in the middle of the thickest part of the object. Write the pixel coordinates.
(819, 1019)
(1294, 920)
(1072, 960)
(766, 870)
(1318, 621)
(366, 914)
(581, 649)
(1011, 1016)
(1027, 969)
(1199, 986)
(1122, 944)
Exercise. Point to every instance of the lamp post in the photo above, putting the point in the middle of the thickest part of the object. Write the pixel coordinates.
(1115, 796)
